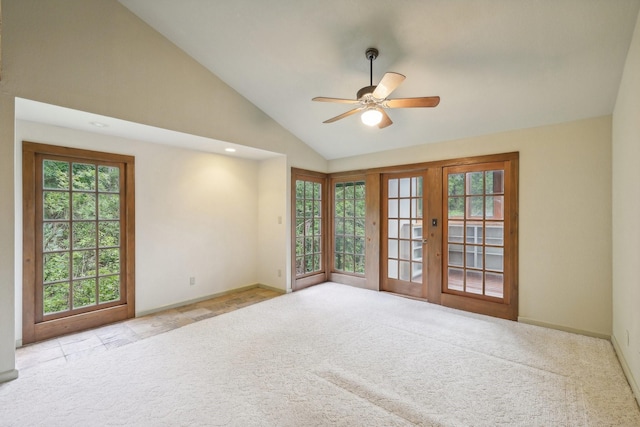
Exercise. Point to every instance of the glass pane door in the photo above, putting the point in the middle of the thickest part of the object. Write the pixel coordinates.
(475, 230)
(404, 269)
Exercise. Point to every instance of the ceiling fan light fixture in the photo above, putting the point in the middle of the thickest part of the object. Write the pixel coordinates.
(371, 117)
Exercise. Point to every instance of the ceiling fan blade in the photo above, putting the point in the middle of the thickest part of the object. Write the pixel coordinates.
(337, 100)
(343, 115)
(389, 83)
(425, 101)
(386, 120)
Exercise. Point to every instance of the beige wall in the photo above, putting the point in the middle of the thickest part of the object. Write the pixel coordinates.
(96, 56)
(197, 215)
(626, 216)
(565, 215)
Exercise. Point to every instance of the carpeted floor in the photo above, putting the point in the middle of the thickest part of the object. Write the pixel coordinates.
(335, 355)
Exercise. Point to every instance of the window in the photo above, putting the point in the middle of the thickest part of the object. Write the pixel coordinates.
(349, 227)
(78, 232)
(309, 208)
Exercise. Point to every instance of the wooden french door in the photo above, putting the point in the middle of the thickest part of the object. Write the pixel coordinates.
(404, 238)
(480, 238)
(78, 240)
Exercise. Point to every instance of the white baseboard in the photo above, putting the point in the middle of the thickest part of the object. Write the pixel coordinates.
(626, 369)
(8, 375)
(563, 328)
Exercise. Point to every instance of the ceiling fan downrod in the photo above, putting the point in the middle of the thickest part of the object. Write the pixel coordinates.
(371, 54)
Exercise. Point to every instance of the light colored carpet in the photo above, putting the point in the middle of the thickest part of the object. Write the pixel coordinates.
(335, 355)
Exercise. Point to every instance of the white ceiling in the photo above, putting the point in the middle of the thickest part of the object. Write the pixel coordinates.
(496, 64)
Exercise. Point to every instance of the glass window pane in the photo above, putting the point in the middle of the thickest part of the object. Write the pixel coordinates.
(474, 282)
(405, 271)
(55, 298)
(317, 191)
(456, 207)
(359, 246)
(300, 208)
(405, 187)
(317, 208)
(338, 261)
(299, 189)
(339, 244)
(416, 186)
(84, 264)
(416, 208)
(349, 208)
(55, 175)
(494, 259)
(393, 188)
(349, 227)
(299, 246)
(84, 177)
(108, 179)
(308, 209)
(455, 255)
(494, 285)
(359, 264)
(349, 263)
(475, 183)
(360, 227)
(456, 184)
(494, 205)
(84, 293)
(474, 256)
(360, 208)
(84, 235)
(84, 206)
(109, 261)
(55, 267)
(339, 207)
(108, 233)
(109, 288)
(55, 205)
(392, 269)
(308, 190)
(405, 249)
(494, 181)
(495, 233)
(456, 231)
(476, 207)
(393, 208)
(299, 265)
(474, 232)
(339, 224)
(405, 208)
(55, 236)
(308, 245)
(317, 245)
(392, 248)
(392, 228)
(349, 191)
(455, 279)
(360, 190)
(349, 245)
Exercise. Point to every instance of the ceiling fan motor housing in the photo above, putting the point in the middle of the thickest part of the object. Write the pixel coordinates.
(367, 90)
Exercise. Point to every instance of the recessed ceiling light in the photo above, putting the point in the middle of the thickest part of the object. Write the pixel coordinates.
(99, 124)
(230, 150)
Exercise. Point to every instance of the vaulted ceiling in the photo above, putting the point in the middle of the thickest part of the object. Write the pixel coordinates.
(497, 65)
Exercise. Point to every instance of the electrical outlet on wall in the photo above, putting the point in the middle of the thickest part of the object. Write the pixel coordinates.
(192, 281)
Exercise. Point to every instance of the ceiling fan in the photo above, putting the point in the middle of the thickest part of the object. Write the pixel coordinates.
(372, 100)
